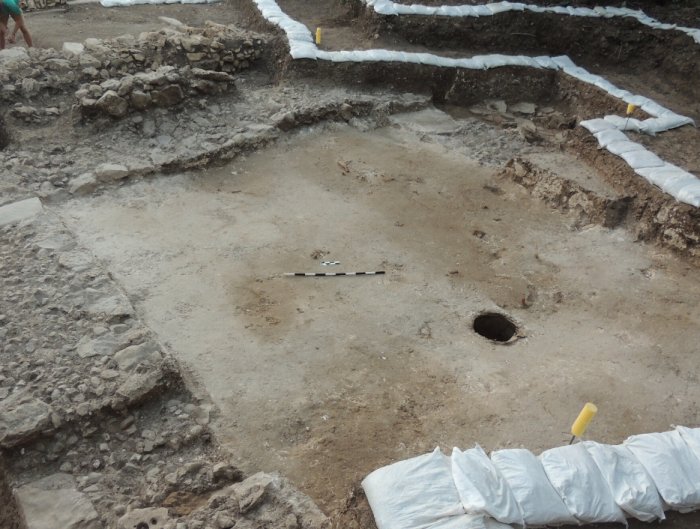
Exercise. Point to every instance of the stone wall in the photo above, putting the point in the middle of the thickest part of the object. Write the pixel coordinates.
(33, 5)
(165, 87)
(127, 73)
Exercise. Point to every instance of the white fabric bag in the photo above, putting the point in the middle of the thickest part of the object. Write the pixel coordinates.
(481, 487)
(576, 478)
(417, 493)
(672, 465)
(538, 501)
(631, 486)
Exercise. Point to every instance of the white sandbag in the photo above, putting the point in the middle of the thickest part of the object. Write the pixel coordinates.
(691, 437)
(660, 176)
(641, 159)
(576, 478)
(414, 494)
(673, 186)
(672, 465)
(606, 137)
(689, 193)
(631, 486)
(621, 147)
(632, 124)
(597, 125)
(468, 521)
(538, 501)
(481, 487)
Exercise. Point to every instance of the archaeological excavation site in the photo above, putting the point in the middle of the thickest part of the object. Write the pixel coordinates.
(349, 264)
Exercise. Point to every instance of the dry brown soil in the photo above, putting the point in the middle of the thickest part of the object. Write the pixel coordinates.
(327, 379)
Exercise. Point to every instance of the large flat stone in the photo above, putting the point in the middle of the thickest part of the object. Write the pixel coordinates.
(55, 503)
(20, 211)
(13, 54)
(21, 418)
(134, 355)
(73, 48)
(114, 306)
(138, 385)
(105, 345)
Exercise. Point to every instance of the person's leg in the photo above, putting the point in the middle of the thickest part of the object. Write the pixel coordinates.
(3, 28)
(19, 22)
(12, 35)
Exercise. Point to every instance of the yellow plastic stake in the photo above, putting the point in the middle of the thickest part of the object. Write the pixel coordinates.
(584, 419)
(318, 36)
(630, 108)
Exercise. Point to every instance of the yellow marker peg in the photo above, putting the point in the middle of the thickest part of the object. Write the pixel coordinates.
(630, 109)
(318, 36)
(583, 420)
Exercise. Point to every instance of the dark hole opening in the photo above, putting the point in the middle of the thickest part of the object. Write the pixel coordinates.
(494, 326)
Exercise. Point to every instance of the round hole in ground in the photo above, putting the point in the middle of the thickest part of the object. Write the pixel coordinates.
(495, 326)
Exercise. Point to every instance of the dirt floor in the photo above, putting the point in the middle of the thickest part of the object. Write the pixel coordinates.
(51, 28)
(327, 379)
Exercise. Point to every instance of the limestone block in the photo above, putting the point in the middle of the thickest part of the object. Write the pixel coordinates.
(21, 418)
(20, 211)
(112, 104)
(54, 502)
(73, 48)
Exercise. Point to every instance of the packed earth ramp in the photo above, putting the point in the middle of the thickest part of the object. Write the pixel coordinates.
(158, 368)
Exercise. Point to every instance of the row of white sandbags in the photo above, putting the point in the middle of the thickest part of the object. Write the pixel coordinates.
(670, 178)
(683, 187)
(387, 7)
(301, 44)
(126, 3)
(586, 482)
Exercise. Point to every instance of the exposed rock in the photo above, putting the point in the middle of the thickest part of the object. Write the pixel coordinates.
(153, 518)
(84, 184)
(523, 108)
(138, 386)
(168, 96)
(107, 172)
(4, 134)
(251, 492)
(224, 472)
(9, 55)
(134, 355)
(107, 344)
(30, 87)
(88, 61)
(54, 502)
(212, 75)
(21, 418)
(223, 520)
(115, 306)
(112, 104)
(73, 48)
(20, 211)
(140, 100)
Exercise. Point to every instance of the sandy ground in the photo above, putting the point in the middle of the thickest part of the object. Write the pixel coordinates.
(325, 379)
(51, 28)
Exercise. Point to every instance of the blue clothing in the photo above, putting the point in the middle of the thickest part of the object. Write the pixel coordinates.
(10, 7)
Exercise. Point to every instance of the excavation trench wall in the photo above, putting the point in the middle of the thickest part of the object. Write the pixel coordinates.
(649, 213)
(618, 43)
(463, 87)
(9, 517)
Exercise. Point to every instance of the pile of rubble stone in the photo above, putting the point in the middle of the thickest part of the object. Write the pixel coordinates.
(97, 428)
(116, 76)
